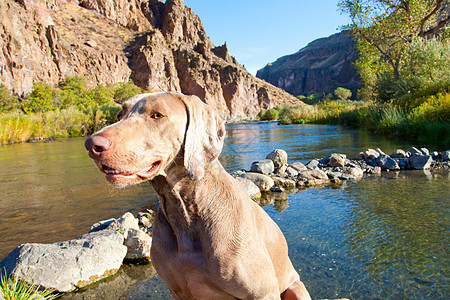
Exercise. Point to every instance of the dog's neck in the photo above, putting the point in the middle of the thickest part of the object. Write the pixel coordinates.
(191, 206)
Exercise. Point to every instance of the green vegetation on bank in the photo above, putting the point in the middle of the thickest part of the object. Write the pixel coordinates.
(70, 109)
(428, 122)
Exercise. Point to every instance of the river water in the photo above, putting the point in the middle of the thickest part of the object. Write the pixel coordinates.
(382, 237)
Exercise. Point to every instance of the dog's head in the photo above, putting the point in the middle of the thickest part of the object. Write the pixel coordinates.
(153, 129)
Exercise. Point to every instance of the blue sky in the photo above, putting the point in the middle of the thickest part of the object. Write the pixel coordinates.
(260, 31)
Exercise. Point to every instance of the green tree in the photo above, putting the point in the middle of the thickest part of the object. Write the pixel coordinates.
(342, 93)
(385, 28)
(40, 99)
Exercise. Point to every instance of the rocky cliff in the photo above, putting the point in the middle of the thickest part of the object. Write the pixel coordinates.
(159, 45)
(320, 67)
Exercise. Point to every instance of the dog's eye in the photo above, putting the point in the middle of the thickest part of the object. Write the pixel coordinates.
(156, 115)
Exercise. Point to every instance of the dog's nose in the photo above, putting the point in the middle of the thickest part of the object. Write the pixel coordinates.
(97, 144)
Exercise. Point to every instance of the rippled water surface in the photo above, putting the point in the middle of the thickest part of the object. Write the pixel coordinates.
(379, 238)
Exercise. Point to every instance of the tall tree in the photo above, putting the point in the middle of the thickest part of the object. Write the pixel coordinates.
(384, 28)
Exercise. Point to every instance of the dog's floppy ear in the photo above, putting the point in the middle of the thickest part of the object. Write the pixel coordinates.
(204, 137)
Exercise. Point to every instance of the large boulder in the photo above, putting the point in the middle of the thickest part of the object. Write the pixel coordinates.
(69, 265)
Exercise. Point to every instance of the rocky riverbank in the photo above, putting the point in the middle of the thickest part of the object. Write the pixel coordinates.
(71, 265)
(274, 174)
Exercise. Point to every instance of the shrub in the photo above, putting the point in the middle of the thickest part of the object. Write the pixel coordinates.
(434, 109)
(269, 114)
(8, 101)
(311, 99)
(127, 90)
(40, 99)
(342, 93)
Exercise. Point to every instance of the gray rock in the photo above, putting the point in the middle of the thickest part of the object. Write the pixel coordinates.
(387, 163)
(403, 163)
(420, 162)
(102, 225)
(264, 166)
(336, 161)
(137, 241)
(298, 166)
(69, 265)
(138, 244)
(445, 155)
(281, 170)
(283, 182)
(263, 182)
(313, 164)
(250, 187)
(413, 151)
(291, 172)
(333, 174)
(380, 151)
(356, 172)
(399, 153)
(344, 156)
(425, 151)
(279, 157)
(371, 154)
(374, 170)
(124, 224)
(315, 176)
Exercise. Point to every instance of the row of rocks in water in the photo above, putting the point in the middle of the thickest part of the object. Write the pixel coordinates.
(275, 174)
(71, 265)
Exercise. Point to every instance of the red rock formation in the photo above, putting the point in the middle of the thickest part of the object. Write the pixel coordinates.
(162, 46)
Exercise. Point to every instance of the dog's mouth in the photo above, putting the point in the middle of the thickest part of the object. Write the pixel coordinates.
(115, 176)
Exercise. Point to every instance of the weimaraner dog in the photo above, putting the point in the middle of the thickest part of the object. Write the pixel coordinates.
(210, 239)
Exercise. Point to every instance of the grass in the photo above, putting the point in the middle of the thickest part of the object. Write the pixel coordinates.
(16, 289)
(19, 127)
